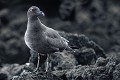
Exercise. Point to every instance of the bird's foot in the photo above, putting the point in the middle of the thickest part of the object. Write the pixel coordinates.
(48, 71)
(35, 70)
(69, 49)
(64, 51)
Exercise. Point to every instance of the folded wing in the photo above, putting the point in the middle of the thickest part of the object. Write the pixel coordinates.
(55, 40)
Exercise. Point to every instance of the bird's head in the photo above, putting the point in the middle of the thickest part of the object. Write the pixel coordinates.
(34, 11)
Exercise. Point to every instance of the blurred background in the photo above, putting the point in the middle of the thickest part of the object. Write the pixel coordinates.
(99, 20)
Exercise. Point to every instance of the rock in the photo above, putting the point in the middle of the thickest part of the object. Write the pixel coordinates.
(20, 68)
(116, 72)
(101, 62)
(14, 70)
(13, 47)
(79, 41)
(86, 61)
(66, 9)
(62, 61)
(60, 74)
(92, 72)
(106, 69)
(85, 56)
(75, 72)
(3, 76)
(35, 76)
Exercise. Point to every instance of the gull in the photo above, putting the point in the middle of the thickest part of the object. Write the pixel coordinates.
(40, 38)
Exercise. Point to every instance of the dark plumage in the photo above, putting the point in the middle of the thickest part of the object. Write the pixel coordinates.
(40, 38)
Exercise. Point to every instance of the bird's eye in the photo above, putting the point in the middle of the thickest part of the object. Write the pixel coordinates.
(33, 9)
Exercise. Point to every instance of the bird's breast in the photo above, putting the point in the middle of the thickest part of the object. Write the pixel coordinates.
(34, 40)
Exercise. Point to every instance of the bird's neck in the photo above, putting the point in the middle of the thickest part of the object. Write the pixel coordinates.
(35, 23)
(33, 19)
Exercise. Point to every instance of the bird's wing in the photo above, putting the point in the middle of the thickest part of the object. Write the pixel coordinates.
(52, 33)
(65, 39)
(55, 40)
(58, 43)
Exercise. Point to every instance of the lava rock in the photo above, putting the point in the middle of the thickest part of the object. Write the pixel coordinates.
(86, 61)
(9, 70)
(60, 74)
(92, 72)
(62, 61)
(101, 61)
(78, 41)
(66, 9)
(108, 71)
(85, 56)
(116, 72)
(12, 47)
(3, 76)
(35, 76)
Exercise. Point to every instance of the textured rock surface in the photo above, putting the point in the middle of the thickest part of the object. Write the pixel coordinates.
(62, 61)
(92, 72)
(87, 61)
(97, 19)
(66, 64)
(36, 76)
(116, 72)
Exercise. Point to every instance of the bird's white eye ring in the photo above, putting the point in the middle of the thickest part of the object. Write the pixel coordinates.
(33, 9)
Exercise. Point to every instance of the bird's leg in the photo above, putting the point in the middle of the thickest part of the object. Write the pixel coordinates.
(64, 49)
(68, 49)
(47, 63)
(38, 63)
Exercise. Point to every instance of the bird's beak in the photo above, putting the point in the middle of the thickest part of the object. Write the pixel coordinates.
(41, 13)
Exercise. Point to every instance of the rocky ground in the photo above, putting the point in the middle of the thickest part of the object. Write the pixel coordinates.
(96, 50)
(87, 61)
